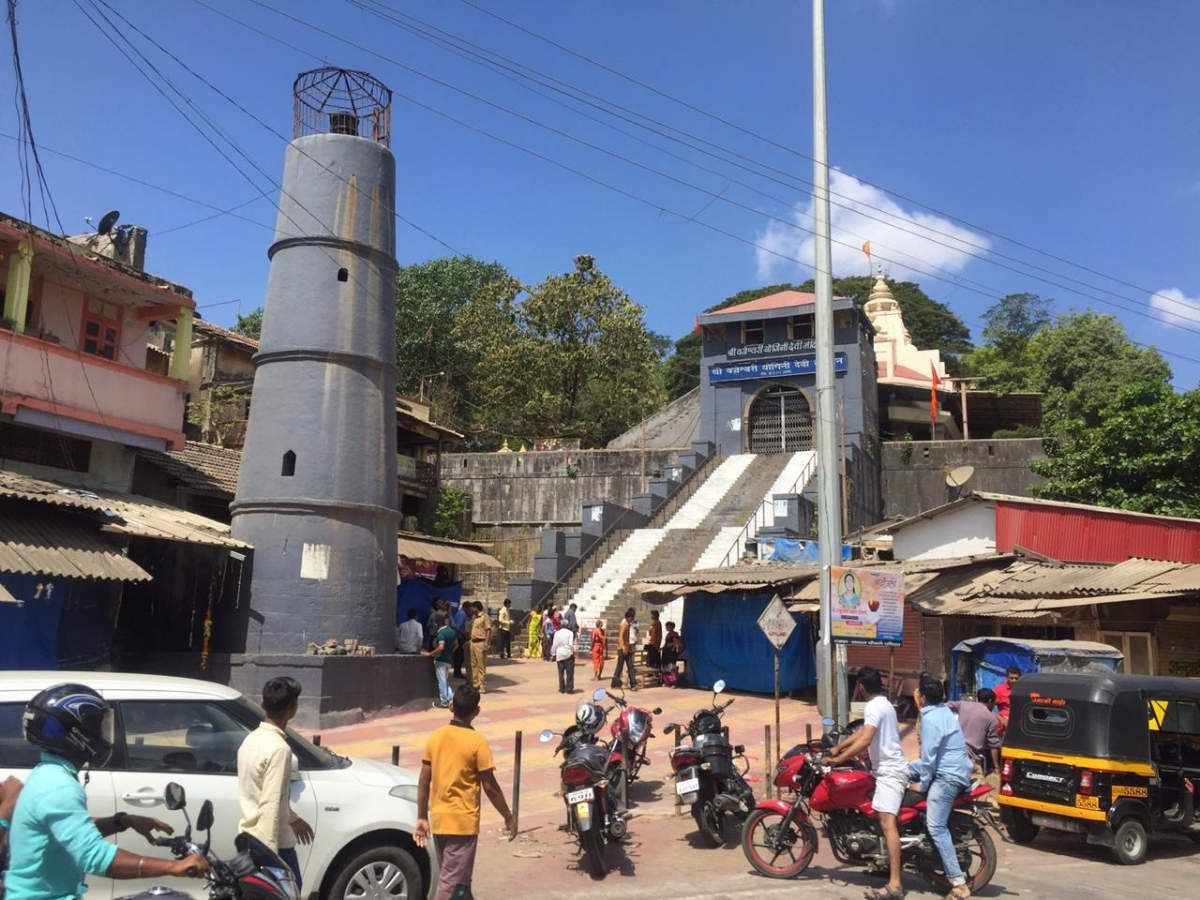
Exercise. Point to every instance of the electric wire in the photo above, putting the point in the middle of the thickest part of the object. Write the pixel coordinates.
(682, 182)
(792, 150)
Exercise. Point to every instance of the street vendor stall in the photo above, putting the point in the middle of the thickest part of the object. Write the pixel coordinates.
(981, 662)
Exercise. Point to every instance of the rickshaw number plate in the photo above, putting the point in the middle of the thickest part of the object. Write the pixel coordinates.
(1082, 802)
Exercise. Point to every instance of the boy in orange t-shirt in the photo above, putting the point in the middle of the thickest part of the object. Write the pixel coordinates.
(456, 764)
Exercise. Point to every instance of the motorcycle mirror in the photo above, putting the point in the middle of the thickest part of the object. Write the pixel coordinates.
(174, 796)
(719, 687)
(657, 710)
(599, 695)
(546, 736)
(204, 821)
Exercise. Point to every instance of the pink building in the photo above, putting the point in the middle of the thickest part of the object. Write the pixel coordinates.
(80, 387)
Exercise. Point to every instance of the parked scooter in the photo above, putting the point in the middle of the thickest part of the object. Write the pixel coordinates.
(255, 873)
(630, 732)
(706, 777)
(595, 814)
(780, 839)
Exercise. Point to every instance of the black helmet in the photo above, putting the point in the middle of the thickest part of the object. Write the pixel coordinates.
(73, 721)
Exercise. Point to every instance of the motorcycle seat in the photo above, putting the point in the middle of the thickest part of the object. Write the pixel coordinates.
(911, 798)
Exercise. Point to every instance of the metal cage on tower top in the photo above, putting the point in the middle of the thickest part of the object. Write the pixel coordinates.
(342, 101)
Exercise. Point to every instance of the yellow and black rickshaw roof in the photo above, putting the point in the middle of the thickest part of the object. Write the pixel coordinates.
(1102, 716)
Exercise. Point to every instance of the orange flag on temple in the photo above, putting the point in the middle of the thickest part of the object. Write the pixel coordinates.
(933, 397)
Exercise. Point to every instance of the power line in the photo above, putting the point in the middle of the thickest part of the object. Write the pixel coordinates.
(855, 206)
(668, 176)
(792, 150)
(575, 171)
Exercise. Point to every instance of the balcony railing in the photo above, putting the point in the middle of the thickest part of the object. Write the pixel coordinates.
(415, 470)
(49, 380)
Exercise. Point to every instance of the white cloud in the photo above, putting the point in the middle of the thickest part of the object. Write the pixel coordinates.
(1174, 307)
(904, 243)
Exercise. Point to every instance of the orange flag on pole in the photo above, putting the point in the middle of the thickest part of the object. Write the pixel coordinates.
(933, 398)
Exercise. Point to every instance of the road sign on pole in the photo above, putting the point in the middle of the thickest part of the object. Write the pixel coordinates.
(777, 624)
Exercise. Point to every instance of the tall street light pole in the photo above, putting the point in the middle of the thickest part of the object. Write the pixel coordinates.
(829, 488)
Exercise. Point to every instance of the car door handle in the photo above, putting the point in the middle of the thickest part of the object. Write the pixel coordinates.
(147, 796)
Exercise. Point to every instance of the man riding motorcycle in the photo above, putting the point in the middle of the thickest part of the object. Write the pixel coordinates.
(54, 841)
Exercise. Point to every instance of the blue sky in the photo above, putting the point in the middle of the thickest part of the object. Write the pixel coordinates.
(1070, 126)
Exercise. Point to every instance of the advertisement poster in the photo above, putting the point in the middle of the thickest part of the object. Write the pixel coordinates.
(868, 605)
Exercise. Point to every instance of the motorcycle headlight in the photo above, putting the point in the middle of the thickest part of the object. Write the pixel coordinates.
(405, 792)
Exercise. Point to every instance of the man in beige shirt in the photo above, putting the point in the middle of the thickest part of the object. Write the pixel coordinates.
(265, 775)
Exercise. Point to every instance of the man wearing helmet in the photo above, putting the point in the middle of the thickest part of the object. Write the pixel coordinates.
(55, 842)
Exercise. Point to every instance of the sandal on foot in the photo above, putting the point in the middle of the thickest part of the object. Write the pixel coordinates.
(884, 893)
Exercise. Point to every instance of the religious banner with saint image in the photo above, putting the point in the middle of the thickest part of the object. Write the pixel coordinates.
(867, 605)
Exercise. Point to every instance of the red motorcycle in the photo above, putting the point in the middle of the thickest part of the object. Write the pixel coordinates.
(780, 839)
(631, 732)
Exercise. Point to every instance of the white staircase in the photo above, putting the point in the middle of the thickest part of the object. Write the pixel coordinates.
(595, 594)
(794, 477)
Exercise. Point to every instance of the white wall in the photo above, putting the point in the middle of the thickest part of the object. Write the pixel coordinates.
(968, 530)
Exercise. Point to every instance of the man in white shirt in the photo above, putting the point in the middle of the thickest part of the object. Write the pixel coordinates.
(409, 634)
(562, 648)
(880, 736)
(265, 775)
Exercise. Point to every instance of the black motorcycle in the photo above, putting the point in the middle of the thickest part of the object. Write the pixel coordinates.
(255, 873)
(706, 777)
(595, 814)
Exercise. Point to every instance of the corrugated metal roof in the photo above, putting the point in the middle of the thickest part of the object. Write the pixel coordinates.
(442, 550)
(125, 513)
(45, 542)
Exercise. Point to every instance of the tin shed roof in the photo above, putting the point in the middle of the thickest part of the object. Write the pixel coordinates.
(47, 542)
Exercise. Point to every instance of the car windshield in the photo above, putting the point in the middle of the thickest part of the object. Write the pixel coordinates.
(311, 755)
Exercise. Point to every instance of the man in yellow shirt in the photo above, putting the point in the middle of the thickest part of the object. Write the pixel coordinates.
(456, 764)
(481, 639)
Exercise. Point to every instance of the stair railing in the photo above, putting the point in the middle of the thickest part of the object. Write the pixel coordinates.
(678, 497)
(764, 514)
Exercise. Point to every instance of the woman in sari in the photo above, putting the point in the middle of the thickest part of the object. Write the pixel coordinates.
(534, 648)
(599, 648)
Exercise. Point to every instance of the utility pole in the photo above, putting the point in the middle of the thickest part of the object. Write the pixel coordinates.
(829, 488)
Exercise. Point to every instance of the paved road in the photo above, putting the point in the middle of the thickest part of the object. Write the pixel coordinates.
(659, 858)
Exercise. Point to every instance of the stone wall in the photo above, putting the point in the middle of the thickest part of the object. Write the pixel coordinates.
(540, 488)
(914, 472)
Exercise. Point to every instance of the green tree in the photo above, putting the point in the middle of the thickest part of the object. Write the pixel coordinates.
(429, 296)
(681, 371)
(1142, 453)
(571, 358)
(1014, 319)
(250, 324)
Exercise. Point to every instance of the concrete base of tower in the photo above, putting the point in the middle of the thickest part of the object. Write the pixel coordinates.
(336, 690)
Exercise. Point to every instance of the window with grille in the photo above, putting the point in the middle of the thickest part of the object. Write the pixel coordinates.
(44, 448)
(800, 328)
(752, 332)
(101, 332)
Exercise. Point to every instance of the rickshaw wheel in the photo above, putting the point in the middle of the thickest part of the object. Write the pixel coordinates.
(1020, 828)
(1130, 843)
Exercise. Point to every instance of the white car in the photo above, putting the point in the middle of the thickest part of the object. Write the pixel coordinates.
(177, 729)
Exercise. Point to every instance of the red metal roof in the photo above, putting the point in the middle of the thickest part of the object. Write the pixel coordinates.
(782, 300)
(1093, 534)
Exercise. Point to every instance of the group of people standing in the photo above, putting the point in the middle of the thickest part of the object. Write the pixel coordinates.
(458, 638)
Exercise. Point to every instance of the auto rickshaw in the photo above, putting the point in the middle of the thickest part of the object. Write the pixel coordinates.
(1112, 757)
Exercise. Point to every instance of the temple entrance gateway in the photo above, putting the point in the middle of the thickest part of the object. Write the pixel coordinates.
(780, 421)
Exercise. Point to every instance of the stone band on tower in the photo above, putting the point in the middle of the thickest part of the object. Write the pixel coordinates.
(316, 495)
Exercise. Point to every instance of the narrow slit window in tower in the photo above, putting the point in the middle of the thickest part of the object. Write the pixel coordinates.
(343, 274)
(289, 464)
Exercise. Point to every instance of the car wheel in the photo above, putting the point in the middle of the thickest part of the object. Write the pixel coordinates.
(379, 873)
(1130, 843)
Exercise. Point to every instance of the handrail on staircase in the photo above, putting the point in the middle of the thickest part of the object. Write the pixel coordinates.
(686, 488)
(759, 517)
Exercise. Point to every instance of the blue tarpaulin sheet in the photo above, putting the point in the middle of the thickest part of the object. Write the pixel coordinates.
(722, 640)
(981, 662)
(794, 550)
(29, 632)
(419, 593)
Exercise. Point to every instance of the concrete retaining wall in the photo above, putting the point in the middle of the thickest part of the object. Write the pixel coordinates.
(547, 487)
(914, 472)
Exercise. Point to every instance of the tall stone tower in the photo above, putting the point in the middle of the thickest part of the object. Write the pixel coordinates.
(316, 496)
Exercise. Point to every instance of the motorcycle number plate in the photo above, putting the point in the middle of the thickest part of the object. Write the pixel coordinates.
(581, 795)
(690, 786)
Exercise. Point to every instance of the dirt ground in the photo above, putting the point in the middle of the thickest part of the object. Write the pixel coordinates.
(660, 856)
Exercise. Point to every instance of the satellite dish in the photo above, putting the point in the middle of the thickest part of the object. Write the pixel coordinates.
(108, 221)
(956, 478)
